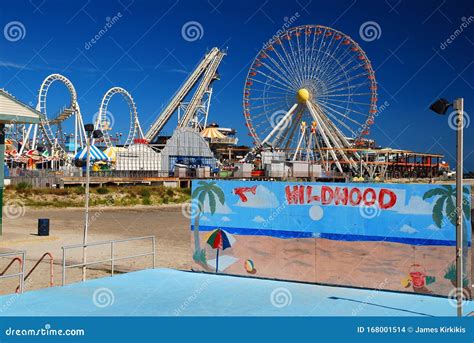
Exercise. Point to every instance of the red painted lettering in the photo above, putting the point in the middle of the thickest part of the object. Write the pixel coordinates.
(341, 196)
(327, 194)
(295, 196)
(390, 201)
(372, 196)
(356, 201)
(309, 196)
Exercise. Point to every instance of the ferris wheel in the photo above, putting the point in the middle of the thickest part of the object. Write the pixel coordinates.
(311, 74)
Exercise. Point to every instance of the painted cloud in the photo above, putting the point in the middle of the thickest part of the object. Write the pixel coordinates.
(258, 219)
(408, 229)
(433, 227)
(416, 205)
(220, 209)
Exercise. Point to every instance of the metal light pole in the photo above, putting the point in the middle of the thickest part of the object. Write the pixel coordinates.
(86, 217)
(459, 107)
(91, 133)
(440, 107)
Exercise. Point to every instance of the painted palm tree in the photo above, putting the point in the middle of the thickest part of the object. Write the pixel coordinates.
(205, 191)
(445, 206)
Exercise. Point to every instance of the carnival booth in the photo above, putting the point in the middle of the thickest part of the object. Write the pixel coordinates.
(97, 158)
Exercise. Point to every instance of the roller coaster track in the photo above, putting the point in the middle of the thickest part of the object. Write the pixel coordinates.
(101, 122)
(205, 72)
(54, 139)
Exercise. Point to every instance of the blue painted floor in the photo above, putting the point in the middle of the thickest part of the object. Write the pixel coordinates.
(166, 292)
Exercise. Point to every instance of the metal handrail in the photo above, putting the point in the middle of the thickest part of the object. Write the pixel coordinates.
(21, 270)
(11, 263)
(51, 269)
(112, 258)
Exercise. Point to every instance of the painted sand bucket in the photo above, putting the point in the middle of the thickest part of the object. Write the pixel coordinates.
(418, 275)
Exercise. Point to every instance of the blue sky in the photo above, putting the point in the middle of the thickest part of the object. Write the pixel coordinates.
(144, 52)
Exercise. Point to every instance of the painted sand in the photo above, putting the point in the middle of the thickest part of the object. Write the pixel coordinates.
(376, 265)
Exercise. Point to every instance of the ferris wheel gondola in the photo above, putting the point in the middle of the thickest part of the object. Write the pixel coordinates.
(312, 74)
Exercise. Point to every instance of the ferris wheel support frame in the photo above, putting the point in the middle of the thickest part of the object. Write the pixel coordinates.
(300, 141)
(324, 133)
(339, 142)
(279, 124)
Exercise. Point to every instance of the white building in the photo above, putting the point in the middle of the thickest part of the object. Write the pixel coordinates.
(138, 157)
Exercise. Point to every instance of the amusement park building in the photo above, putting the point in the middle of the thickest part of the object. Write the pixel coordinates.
(186, 147)
(138, 157)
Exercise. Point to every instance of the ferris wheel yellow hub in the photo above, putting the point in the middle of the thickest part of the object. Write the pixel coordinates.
(303, 95)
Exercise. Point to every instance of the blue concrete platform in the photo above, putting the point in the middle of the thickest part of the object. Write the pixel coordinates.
(166, 292)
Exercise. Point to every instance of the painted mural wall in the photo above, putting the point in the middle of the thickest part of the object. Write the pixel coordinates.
(383, 236)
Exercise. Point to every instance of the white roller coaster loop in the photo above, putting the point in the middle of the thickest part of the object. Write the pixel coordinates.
(47, 123)
(102, 120)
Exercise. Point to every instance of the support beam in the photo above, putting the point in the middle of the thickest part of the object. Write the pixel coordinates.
(324, 132)
(280, 123)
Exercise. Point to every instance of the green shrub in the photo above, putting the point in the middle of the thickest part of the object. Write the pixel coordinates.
(102, 190)
(169, 192)
(145, 193)
(79, 190)
(22, 186)
(59, 191)
(186, 191)
(200, 256)
(146, 201)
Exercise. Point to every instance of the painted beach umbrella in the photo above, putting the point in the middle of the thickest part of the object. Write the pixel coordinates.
(218, 240)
